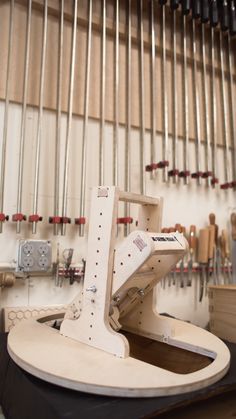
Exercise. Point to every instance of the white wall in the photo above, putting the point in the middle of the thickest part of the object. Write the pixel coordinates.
(184, 204)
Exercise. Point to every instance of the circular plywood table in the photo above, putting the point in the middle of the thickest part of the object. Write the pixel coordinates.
(44, 352)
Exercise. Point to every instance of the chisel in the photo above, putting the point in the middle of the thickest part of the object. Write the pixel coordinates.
(174, 4)
(203, 246)
(4, 217)
(211, 252)
(185, 173)
(178, 228)
(217, 255)
(168, 277)
(225, 257)
(196, 13)
(184, 260)
(174, 282)
(214, 18)
(192, 240)
(233, 246)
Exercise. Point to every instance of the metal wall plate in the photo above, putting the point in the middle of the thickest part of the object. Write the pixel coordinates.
(34, 256)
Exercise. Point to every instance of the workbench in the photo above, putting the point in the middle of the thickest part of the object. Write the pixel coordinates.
(23, 396)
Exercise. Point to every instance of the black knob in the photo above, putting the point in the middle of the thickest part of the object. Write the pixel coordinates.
(204, 11)
(185, 7)
(214, 15)
(196, 9)
(232, 16)
(174, 4)
(224, 23)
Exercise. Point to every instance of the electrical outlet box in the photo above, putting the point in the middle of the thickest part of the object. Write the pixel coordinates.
(34, 256)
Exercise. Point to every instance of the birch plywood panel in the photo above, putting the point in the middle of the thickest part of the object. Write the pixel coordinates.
(222, 307)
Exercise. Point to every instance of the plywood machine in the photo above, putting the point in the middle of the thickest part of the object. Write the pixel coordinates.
(91, 351)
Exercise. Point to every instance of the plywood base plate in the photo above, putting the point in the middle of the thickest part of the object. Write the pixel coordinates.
(43, 352)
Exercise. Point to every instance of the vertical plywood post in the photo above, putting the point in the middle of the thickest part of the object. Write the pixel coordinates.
(92, 327)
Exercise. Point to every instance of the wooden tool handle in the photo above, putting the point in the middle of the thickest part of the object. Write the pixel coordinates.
(212, 219)
(192, 238)
(178, 228)
(183, 230)
(203, 245)
(165, 230)
(172, 230)
(211, 246)
(233, 224)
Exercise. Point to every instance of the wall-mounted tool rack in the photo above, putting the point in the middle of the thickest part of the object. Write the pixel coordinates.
(120, 62)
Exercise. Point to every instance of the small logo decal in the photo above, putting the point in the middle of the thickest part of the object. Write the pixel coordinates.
(140, 243)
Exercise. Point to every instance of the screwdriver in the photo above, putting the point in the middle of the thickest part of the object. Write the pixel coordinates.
(216, 258)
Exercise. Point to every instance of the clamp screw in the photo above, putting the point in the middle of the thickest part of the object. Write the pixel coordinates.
(93, 288)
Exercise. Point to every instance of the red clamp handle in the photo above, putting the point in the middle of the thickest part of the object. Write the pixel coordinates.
(54, 220)
(65, 220)
(205, 175)
(225, 186)
(162, 164)
(79, 221)
(151, 167)
(18, 217)
(233, 184)
(214, 180)
(184, 173)
(196, 175)
(3, 217)
(124, 220)
(173, 172)
(35, 218)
